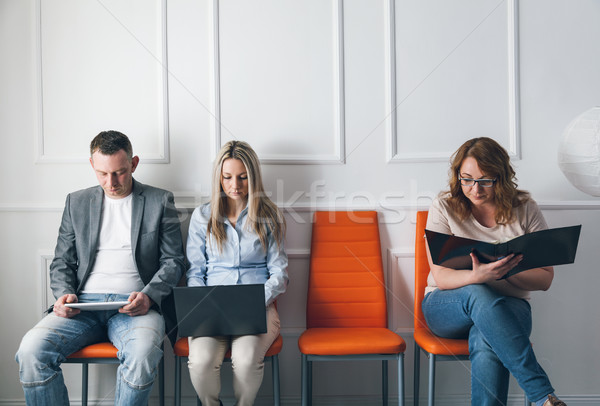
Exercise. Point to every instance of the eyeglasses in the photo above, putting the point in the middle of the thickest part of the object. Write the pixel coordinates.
(482, 182)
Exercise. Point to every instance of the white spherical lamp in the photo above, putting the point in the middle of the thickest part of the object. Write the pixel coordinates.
(579, 152)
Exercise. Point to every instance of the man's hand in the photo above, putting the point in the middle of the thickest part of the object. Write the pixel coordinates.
(63, 311)
(139, 304)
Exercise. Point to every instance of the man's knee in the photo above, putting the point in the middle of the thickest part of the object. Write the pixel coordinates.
(27, 351)
(140, 360)
(33, 344)
(142, 351)
(37, 358)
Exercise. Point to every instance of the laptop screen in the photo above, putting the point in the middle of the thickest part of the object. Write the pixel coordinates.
(220, 310)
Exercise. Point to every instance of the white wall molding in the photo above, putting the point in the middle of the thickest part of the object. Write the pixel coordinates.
(577, 205)
(392, 103)
(570, 205)
(396, 305)
(162, 155)
(216, 82)
(514, 90)
(298, 253)
(338, 156)
(30, 207)
(46, 298)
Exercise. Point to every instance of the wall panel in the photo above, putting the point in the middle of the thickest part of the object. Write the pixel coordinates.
(438, 90)
(280, 79)
(101, 65)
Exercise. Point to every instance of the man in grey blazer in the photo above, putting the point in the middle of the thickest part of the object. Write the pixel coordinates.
(120, 241)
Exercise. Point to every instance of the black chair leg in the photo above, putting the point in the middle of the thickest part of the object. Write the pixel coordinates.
(161, 382)
(84, 384)
(401, 380)
(384, 381)
(431, 392)
(416, 373)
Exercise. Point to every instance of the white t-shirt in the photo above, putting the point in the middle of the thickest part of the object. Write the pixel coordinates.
(442, 219)
(114, 269)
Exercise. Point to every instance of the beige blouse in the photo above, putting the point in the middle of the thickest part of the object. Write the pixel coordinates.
(529, 218)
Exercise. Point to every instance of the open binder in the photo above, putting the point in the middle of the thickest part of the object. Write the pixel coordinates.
(555, 246)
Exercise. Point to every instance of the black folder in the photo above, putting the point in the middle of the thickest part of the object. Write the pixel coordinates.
(221, 310)
(555, 246)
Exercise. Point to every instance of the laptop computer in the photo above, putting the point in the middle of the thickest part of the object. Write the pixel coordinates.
(221, 310)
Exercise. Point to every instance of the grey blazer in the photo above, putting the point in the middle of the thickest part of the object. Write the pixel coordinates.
(155, 236)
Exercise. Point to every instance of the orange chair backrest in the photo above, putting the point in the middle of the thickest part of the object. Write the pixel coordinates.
(421, 268)
(346, 286)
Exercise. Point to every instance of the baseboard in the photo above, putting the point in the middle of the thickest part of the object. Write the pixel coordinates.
(454, 400)
(513, 400)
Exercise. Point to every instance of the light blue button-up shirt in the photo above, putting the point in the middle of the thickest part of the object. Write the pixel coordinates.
(242, 261)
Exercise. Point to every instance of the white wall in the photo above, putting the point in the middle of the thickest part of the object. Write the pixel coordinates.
(344, 114)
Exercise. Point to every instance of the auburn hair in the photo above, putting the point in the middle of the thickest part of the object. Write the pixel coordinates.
(494, 162)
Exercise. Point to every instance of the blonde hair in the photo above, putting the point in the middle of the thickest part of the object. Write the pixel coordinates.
(263, 215)
(494, 161)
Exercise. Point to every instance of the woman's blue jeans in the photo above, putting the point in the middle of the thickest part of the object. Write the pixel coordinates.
(54, 338)
(498, 329)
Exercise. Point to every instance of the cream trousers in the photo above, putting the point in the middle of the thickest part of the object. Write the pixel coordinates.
(247, 360)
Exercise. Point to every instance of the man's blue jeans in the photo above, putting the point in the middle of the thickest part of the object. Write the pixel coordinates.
(498, 329)
(47, 345)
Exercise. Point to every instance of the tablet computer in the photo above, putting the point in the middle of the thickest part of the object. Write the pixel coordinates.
(98, 305)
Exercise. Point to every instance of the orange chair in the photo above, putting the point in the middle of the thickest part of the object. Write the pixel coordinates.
(105, 353)
(436, 348)
(346, 314)
(182, 350)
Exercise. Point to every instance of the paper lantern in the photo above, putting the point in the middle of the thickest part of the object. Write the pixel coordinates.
(579, 152)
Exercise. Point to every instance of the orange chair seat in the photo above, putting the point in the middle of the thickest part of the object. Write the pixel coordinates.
(440, 346)
(352, 340)
(182, 348)
(98, 350)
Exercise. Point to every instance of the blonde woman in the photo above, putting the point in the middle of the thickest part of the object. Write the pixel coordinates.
(237, 238)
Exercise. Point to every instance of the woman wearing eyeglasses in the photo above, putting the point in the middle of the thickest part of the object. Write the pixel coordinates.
(484, 203)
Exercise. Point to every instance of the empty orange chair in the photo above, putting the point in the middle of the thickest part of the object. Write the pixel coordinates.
(346, 313)
(105, 353)
(436, 348)
(182, 350)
